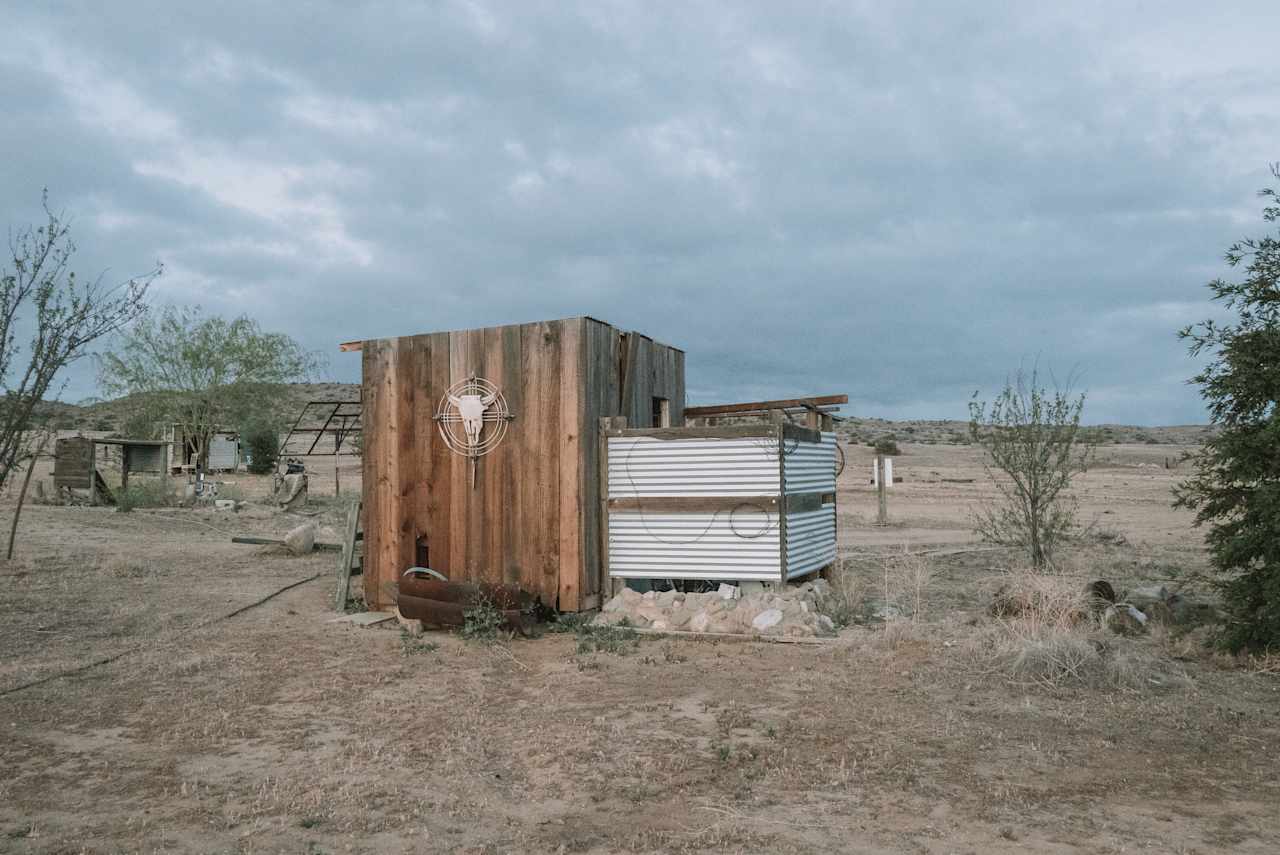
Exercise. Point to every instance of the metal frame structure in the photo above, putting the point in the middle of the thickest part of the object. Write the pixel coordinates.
(342, 420)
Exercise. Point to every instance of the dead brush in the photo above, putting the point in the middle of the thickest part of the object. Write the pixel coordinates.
(1045, 633)
(844, 603)
(914, 572)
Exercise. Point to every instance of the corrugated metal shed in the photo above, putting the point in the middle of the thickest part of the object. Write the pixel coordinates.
(747, 503)
(224, 452)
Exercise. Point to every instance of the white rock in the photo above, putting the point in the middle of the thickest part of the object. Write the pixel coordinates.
(728, 592)
(700, 622)
(767, 618)
(301, 540)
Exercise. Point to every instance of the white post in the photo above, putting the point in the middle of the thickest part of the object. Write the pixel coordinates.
(888, 473)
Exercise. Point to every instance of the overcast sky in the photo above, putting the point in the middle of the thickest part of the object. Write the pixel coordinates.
(898, 201)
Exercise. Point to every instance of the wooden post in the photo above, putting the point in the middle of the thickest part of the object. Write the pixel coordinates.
(607, 423)
(882, 518)
(348, 556)
(93, 473)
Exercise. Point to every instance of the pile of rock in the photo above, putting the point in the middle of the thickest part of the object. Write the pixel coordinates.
(794, 611)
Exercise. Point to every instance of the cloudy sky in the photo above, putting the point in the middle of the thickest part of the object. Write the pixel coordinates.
(898, 201)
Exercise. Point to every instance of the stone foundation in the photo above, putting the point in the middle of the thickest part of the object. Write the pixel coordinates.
(794, 611)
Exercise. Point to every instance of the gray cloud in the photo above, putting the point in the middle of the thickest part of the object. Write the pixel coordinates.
(901, 203)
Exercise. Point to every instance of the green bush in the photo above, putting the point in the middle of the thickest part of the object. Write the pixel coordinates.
(148, 493)
(887, 445)
(262, 441)
(482, 621)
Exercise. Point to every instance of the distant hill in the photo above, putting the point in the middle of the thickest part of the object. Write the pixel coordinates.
(109, 416)
(955, 432)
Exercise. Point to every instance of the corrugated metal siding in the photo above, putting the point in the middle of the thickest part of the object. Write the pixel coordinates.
(810, 467)
(739, 545)
(645, 466)
(224, 453)
(811, 540)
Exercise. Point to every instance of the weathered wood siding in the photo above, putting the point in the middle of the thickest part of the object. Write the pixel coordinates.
(533, 517)
(73, 463)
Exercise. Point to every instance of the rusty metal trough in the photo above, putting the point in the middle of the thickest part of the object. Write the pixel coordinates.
(443, 603)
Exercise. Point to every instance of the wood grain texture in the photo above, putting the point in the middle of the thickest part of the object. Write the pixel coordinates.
(758, 406)
(571, 412)
(534, 517)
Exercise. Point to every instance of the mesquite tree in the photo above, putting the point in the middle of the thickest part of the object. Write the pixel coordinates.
(202, 373)
(1236, 487)
(1034, 446)
(59, 315)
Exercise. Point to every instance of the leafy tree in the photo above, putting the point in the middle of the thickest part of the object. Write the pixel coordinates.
(1236, 486)
(41, 297)
(201, 373)
(261, 438)
(1034, 446)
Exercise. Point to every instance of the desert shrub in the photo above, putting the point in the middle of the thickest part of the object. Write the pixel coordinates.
(411, 645)
(481, 621)
(262, 441)
(144, 493)
(1034, 447)
(887, 445)
(619, 640)
(1045, 633)
(844, 604)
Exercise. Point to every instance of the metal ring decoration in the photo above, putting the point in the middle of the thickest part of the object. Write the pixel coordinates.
(768, 520)
(489, 423)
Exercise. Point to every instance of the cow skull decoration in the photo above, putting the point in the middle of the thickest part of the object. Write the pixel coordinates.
(473, 418)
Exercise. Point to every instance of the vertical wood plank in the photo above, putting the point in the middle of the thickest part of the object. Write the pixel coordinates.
(601, 345)
(540, 360)
(441, 487)
(409, 354)
(467, 541)
(513, 556)
(605, 424)
(497, 470)
(371, 439)
(423, 429)
(572, 410)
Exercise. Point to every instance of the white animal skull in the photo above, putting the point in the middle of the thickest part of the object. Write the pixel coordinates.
(471, 408)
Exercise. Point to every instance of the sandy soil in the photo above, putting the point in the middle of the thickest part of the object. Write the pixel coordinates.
(276, 730)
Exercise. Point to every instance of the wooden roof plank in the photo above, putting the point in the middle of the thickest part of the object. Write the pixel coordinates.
(757, 406)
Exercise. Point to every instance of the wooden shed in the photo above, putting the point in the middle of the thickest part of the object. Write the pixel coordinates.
(527, 510)
(76, 459)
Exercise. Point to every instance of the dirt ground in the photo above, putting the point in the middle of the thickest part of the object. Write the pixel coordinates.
(277, 730)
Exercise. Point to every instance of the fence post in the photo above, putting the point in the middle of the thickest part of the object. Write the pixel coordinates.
(882, 518)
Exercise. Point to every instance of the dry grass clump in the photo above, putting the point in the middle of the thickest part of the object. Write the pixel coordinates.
(898, 585)
(1045, 633)
(844, 604)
